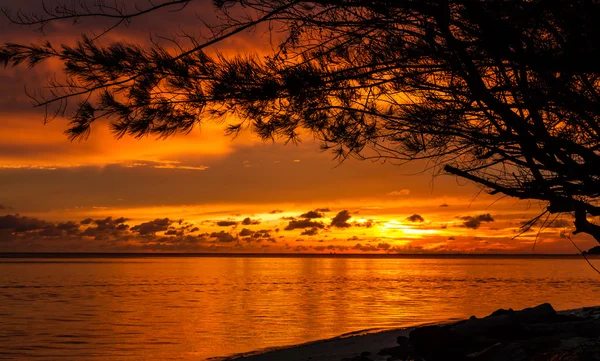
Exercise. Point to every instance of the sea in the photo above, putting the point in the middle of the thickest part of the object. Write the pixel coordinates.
(143, 307)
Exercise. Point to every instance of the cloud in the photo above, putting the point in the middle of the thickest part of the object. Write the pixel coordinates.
(174, 232)
(59, 230)
(401, 192)
(312, 214)
(302, 224)
(384, 246)
(247, 221)
(245, 232)
(151, 227)
(415, 218)
(367, 224)
(109, 227)
(323, 210)
(331, 247)
(223, 237)
(276, 211)
(20, 224)
(227, 223)
(310, 232)
(365, 248)
(475, 222)
(443, 205)
(341, 219)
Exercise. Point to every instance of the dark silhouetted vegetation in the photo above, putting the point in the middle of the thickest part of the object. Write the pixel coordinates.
(504, 93)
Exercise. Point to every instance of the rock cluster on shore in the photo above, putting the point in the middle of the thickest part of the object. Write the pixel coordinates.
(532, 334)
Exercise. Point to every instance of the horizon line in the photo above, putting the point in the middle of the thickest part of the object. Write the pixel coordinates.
(282, 255)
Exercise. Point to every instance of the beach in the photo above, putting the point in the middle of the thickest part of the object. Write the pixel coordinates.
(567, 334)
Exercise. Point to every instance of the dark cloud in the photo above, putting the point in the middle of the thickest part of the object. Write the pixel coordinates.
(174, 232)
(384, 246)
(341, 219)
(312, 214)
(109, 227)
(475, 222)
(19, 227)
(150, 228)
(245, 232)
(443, 205)
(247, 221)
(331, 248)
(451, 238)
(250, 235)
(223, 237)
(275, 211)
(367, 224)
(60, 229)
(302, 224)
(263, 233)
(415, 218)
(20, 224)
(310, 232)
(227, 223)
(323, 210)
(365, 248)
(19, 233)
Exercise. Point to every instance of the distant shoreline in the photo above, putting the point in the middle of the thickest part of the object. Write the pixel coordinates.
(28, 255)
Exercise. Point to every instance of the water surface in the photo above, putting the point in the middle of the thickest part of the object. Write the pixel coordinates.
(196, 308)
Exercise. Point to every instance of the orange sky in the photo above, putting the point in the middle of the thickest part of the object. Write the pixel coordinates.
(206, 192)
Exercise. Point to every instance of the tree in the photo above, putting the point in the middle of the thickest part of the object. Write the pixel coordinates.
(504, 93)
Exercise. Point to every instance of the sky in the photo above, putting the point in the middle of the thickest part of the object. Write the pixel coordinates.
(208, 192)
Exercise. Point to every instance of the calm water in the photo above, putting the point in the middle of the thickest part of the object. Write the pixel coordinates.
(195, 308)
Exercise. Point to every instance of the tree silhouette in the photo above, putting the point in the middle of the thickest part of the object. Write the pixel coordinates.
(504, 93)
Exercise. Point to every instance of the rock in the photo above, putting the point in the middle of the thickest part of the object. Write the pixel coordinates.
(562, 356)
(502, 312)
(503, 327)
(402, 341)
(590, 328)
(541, 313)
(507, 325)
(357, 358)
(501, 352)
(398, 352)
(532, 334)
(439, 343)
(536, 345)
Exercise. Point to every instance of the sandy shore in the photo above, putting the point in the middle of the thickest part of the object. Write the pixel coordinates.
(338, 348)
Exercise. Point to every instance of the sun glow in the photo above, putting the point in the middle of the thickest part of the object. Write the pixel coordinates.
(407, 229)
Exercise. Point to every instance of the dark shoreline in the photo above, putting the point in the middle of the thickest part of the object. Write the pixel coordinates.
(13, 255)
